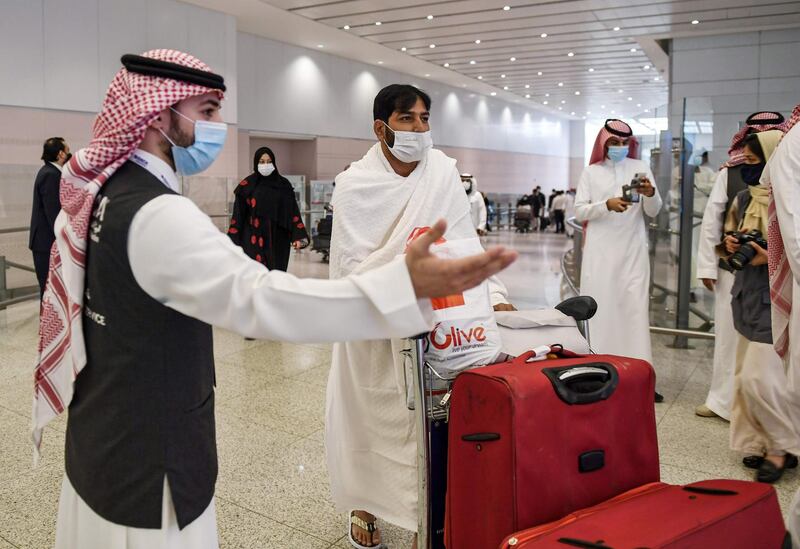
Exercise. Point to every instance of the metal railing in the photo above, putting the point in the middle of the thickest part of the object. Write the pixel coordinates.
(571, 270)
(13, 296)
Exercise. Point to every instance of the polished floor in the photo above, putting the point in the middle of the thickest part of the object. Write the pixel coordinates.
(272, 490)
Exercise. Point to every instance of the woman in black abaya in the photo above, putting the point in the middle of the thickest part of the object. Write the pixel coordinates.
(266, 219)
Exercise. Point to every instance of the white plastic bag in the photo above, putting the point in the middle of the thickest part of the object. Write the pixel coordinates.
(465, 333)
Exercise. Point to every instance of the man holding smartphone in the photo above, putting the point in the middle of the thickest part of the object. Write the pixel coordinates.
(614, 193)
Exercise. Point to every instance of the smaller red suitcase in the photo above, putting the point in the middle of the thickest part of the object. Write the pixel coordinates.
(712, 514)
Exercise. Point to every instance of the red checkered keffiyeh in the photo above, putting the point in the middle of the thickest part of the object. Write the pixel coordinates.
(613, 128)
(780, 273)
(736, 151)
(131, 104)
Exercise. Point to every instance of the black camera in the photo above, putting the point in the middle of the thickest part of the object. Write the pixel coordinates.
(746, 253)
(629, 193)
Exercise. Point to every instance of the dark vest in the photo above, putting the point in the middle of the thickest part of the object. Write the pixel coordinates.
(736, 185)
(143, 406)
(750, 301)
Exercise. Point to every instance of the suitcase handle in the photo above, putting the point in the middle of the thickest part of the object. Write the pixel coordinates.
(481, 437)
(710, 491)
(583, 543)
(583, 383)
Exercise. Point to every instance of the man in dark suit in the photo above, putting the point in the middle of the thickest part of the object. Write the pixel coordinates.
(46, 205)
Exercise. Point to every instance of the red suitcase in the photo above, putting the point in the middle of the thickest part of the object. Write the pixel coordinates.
(530, 442)
(723, 514)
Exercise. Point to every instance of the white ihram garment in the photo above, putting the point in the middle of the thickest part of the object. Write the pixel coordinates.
(616, 266)
(370, 437)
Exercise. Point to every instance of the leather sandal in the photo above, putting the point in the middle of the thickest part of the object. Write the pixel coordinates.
(769, 473)
(364, 525)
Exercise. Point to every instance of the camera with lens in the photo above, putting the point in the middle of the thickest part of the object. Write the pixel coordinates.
(746, 252)
(629, 192)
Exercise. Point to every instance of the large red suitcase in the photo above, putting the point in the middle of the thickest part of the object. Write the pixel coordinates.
(530, 442)
(723, 514)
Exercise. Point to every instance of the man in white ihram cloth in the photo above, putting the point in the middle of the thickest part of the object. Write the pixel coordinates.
(400, 185)
(137, 277)
(616, 266)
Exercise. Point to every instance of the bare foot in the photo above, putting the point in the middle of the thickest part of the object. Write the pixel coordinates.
(362, 535)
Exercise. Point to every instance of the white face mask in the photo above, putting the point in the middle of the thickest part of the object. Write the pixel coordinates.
(266, 169)
(410, 146)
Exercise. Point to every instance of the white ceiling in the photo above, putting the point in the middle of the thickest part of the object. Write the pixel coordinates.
(584, 28)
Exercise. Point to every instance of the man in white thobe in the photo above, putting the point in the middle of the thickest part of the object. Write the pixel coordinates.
(715, 275)
(477, 205)
(782, 173)
(616, 266)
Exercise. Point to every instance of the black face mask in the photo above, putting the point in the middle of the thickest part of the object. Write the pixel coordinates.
(751, 173)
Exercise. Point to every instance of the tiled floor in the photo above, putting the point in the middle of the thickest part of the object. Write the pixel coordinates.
(272, 490)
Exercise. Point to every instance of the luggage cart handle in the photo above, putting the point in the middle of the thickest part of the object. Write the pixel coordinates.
(584, 383)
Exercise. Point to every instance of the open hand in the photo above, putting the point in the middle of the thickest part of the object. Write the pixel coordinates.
(435, 277)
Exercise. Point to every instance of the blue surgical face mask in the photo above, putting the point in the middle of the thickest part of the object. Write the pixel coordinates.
(209, 138)
(617, 154)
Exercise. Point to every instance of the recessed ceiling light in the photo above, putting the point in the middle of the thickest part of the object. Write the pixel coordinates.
(583, 117)
(513, 59)
(446, 65)
(630, 99)
(527, 96)
(695, 22)
(613, 112)
(429, 17)
(591, 70)
(506, 8)
(380, 62)
(588, 112)
(620, 91)
(527, 86)
(633, 50)
(477, 41)
(378, 23)
(560, 84)
(472, 62)
(480, 78)
(656, 79)
(547, 95)
(602, 106)
(320, 46)
(647, 110)
(543, 35)
(502, 76)
(346, 27)
(505, 88)
(638, 104)
(616, 29)
(427, 75)
(563, 102)
(572, 113)
(561, 108)
(432, 46)
(539, 73)
(570, 54)
(493, 94)
(545, 102)
(646, 67)
(403, 48)
(577, 93)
